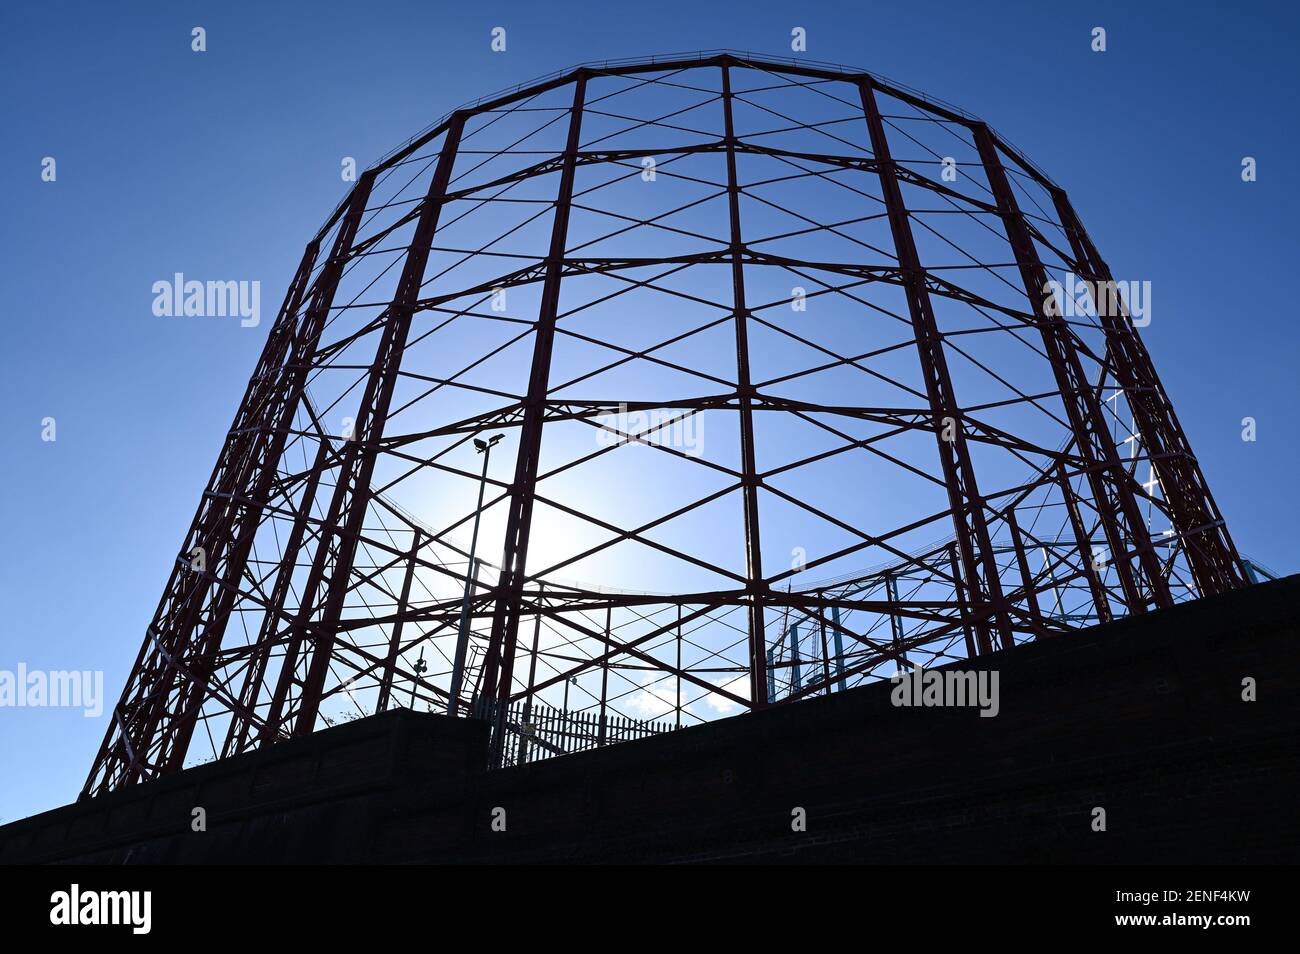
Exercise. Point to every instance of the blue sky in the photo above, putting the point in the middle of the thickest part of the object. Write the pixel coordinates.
(225, 163)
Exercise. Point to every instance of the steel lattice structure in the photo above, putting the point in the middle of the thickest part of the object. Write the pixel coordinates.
(745, 332)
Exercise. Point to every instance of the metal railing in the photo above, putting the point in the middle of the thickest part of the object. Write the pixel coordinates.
(531, 732)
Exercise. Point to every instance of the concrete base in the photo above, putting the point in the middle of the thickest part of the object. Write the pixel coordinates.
(1143, 717)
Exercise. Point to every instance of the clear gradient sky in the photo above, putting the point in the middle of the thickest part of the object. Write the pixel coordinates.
(223, 164)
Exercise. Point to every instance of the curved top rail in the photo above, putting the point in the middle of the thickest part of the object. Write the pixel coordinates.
(699, 57)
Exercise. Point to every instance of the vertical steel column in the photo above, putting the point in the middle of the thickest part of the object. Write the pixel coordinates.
(895, 625)
(978, 566)
(1106, 476)
(826, 650)
(604, 679)
(838, 637)
(471, 584)
(679, 666)
(1215, 562)
(498, 663)
(1027, 578)
(352, 487)
(395, 639)
(755, 588)
(532, 677)
(796, 675)
(954, 568)
(1099, 595)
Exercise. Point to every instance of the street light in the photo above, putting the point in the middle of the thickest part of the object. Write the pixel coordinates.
(483, 447)
(420, 667)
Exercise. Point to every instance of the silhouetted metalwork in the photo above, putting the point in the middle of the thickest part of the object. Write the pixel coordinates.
(748, 325)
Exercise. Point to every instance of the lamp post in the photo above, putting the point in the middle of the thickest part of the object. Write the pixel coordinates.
(420, 667)
(483, 447)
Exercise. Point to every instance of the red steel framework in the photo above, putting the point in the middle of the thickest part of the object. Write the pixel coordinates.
(747, 325)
